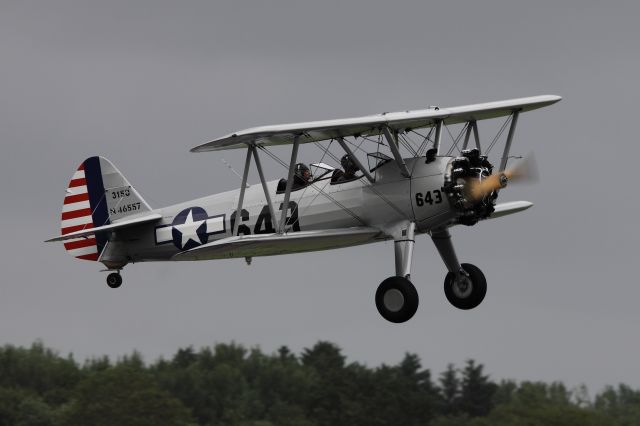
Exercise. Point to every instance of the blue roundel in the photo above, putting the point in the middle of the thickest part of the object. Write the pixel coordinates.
(189, 228)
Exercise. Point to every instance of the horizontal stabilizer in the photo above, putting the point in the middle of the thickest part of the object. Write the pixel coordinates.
(272, 244)
(511, 207)
(107, 228)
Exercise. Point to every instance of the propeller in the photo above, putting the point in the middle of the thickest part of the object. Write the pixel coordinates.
(523, 171)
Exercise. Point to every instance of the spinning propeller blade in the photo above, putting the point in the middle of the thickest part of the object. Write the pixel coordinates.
(524, 171)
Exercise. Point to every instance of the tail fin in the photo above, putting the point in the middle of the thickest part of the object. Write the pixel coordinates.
(97, 195)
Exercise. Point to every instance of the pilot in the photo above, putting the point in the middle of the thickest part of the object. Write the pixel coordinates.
(350, 168)
(302, 176)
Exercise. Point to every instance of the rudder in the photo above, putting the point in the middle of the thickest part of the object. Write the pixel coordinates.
(97, 195)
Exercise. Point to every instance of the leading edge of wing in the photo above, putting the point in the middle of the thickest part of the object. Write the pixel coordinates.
(273, 244)
(314, 131)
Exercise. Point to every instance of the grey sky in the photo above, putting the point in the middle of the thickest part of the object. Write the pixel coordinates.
(142, 82)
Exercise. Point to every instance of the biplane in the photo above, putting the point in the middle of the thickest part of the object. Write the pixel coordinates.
(384, 177)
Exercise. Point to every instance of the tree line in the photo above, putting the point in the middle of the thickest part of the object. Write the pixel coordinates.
(228, 384)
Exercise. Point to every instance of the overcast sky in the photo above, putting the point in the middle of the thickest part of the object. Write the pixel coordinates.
(142, 82)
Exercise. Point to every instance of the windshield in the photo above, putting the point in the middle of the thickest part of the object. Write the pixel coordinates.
(377, 159)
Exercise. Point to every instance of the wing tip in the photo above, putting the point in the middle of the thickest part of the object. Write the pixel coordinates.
(549, 99)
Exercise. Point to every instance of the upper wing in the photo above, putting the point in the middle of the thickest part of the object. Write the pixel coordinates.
(372, 124)
(271, 244)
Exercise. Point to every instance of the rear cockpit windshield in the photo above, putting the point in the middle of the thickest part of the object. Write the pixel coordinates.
(377, 159)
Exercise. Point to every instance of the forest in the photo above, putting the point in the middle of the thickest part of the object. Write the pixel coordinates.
(228, 384)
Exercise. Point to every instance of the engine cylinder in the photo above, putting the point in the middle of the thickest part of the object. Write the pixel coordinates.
(461, 171)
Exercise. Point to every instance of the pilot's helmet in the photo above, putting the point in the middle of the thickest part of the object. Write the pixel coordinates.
(303, 171)
(348, 164)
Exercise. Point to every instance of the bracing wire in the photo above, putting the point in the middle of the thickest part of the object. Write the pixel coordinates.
(425, 141)
(457, 139)
(504, 126)
(407, 145)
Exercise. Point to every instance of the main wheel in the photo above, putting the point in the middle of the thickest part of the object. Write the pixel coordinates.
(467, 292)
(114, 280)
(397, 299)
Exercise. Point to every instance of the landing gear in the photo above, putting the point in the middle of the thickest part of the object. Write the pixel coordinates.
(397, 299)
(114, 280)
(465, 285)
(467, 288)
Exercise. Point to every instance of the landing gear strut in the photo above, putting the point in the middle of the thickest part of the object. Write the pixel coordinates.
(465, 285)
(396, 297)
(114, 279)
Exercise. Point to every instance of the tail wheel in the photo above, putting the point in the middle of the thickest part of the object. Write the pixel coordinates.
(114, 280)
(397, 299)
(465, 291)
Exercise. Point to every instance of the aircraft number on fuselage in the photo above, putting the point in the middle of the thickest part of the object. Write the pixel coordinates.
(430, 197)
(125, 208)
(264, 224)
(120, 193)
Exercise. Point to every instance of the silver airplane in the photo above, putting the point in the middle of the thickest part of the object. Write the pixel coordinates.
(408, 185)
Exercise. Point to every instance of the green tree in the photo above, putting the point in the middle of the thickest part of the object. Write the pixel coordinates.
(10, 399)
(33, 411)
(326, 401)
(477, 391)
(124, 395)
(449, 391)
(537, 403)
(542, 415)
(40, 370)
(621, 404)
(212, 383)
(229, 385)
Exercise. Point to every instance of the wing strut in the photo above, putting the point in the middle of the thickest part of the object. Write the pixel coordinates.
(467, 136)
(476, 135)
(287, 194)
(472, 126)
(245, 175)
(507, 145)
(264, 185)
(393, 145)
(436, 142)
(355, 159)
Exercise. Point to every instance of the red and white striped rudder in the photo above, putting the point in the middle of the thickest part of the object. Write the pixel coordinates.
(97, 195)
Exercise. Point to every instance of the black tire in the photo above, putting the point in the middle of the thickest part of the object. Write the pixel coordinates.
(114, 280)
(397, 299)
(471, 296)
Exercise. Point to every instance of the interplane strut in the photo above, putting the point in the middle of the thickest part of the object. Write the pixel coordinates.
(393, 145)
(287, 194)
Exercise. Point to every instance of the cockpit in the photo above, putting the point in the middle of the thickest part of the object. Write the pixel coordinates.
(350, 171)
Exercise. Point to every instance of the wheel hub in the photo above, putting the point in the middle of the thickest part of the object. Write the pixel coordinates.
(462, 287)
(393, 300)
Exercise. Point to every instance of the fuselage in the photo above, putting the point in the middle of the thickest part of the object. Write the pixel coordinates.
(392, 198)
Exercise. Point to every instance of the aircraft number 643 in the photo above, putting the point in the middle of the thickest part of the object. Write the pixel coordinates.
(430, 197)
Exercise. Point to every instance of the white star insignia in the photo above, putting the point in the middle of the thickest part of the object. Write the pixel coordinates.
(189, 230)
